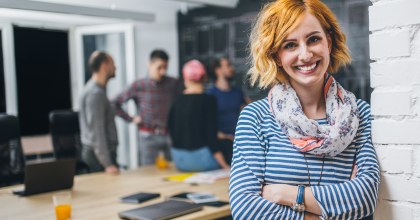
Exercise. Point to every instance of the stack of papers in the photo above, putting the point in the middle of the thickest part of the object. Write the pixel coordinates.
(208, 177)
(179, 177)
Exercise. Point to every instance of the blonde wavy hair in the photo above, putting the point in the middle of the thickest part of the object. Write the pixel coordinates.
(274, 23)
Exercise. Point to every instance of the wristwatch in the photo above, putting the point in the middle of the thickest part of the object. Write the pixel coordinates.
(298, 206)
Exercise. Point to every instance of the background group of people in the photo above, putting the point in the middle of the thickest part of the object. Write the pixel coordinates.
(193, 127)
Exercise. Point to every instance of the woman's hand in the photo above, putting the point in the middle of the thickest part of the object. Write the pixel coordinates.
(281, 194)
(284, 194)
(353, 172)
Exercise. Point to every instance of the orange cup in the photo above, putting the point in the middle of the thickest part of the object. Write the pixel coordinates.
(62, 204)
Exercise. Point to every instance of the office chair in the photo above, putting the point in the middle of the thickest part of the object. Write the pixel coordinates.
(12, 159)
(65, 135)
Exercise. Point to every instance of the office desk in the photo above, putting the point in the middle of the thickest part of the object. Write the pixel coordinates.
(96, 196)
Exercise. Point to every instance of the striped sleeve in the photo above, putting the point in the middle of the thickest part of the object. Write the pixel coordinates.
(247, 173)
(357, 198)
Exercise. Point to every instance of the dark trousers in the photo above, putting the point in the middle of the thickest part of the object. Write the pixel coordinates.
(90, 159)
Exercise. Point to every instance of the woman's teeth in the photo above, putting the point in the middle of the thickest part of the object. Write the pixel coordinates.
(307, 68)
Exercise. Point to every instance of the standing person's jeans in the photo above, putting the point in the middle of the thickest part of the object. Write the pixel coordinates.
(90, 159)
(150, 144)
(195, 160)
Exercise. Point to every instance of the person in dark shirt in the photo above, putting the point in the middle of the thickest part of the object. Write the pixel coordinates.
(230, 100)
(193, 124)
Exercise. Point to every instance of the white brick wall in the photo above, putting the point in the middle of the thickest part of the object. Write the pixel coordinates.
(391, 103)
(384, 73)
(395, 77)
(397, 44)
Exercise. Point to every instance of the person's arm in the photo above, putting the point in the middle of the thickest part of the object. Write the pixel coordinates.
(247, 173)
(284, 194)
(129, 92)
(349, 200)
(218, 156)
(96, 116)
(211, 131)
(357, 198)
(221, 136)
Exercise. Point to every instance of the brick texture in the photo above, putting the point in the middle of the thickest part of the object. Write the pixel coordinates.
(394, 14)
(397, 45)
(391, 103)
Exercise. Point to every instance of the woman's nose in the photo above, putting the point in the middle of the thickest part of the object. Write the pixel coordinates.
(305, 54)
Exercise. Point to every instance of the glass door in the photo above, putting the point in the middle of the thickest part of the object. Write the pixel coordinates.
(118, 41)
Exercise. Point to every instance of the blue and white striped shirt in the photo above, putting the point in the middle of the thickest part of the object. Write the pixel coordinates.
(264, 155)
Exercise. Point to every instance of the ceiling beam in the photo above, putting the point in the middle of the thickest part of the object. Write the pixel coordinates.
(218, 3)
(79, 10)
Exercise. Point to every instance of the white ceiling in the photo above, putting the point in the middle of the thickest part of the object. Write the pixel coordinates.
(126, 5)
(220, 3)
(64, 21)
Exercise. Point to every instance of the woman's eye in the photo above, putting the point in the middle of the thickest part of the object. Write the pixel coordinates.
(289, 46)
(314, 39)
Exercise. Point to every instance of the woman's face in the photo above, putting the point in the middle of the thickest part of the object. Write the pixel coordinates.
(305, 53)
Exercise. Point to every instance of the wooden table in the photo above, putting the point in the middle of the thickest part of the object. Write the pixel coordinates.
(96, 196)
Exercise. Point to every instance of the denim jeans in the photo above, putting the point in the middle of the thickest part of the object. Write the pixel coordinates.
(194, 161)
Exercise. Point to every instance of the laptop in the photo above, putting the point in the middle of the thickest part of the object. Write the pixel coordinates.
(161, 211)
(48, 175)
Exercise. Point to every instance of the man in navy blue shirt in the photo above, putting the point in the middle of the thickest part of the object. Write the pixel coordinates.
(230, 99)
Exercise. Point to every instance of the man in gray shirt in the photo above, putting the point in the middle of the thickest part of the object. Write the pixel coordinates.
(96, 117)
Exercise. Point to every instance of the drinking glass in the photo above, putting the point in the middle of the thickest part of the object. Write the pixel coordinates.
(62, 204)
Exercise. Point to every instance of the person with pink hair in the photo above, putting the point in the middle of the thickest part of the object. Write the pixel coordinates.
(193, 124)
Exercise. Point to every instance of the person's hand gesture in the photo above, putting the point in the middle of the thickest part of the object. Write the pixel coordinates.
(137, 120)
(112, 170)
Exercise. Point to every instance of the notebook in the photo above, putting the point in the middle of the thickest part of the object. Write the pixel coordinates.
(140, 197)
(161, 211)
(183, 197)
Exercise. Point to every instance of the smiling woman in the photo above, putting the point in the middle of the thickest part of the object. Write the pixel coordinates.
(304, 152)
(272, 31)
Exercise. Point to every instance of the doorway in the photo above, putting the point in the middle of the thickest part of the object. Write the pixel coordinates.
(42, 76)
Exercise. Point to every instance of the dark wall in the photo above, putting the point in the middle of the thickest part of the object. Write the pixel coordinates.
(43, 76)
(211, 32)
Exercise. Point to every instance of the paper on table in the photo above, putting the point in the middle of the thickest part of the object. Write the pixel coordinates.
(179, 177)
(208, 177)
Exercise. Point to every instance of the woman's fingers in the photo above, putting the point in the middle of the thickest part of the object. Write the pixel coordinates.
(354, 172)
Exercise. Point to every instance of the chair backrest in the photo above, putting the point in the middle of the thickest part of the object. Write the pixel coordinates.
(65, 134)
(12, 159)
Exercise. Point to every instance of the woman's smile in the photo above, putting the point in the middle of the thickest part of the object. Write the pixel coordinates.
(307, 68)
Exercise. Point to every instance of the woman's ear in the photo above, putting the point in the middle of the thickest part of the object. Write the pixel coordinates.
(278, 61)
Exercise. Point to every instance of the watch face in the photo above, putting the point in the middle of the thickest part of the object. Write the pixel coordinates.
(298, 207)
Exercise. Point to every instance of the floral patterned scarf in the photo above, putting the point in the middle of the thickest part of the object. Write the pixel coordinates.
(306, 134)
